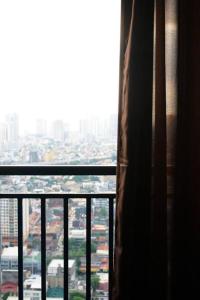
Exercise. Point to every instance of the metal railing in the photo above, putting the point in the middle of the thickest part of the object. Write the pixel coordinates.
(60, 171)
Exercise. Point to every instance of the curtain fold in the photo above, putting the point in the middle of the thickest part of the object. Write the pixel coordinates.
(132, 239)
(186, 204)
(159, 249)
(157, 237)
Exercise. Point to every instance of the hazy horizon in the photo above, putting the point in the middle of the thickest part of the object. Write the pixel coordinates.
(59, 59)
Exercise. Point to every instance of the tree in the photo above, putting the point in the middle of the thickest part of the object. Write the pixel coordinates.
(80, 178)
(36, 244)
(78, 264)
(76, 248)
(93, 247)
(76, 295)
(103, 213)
(94, 178)
(5, 296)
(95, 280)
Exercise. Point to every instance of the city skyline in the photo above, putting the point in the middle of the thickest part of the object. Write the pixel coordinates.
(11, 125)
(53, 68)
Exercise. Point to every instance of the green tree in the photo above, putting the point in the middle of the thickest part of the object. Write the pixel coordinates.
(78, 264)
(80, 178)
(5, 296)
(93, 247)
(76, 295)
(103, 213)
(95, 280)
(94, 178)
(36, 244)
(76, 248)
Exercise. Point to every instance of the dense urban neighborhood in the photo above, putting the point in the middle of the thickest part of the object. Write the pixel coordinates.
(94, 143)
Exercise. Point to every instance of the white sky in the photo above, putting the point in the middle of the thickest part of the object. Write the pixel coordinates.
(59, 59)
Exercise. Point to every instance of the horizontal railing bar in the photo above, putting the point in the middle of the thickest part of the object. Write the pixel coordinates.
(41, 170)
(62, 170)
(61, 196)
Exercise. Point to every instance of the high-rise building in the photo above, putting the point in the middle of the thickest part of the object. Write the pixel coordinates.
(113, 126)
(91, 126)
(12, 121)
(97, 127)
(9, 220)
(41, 127)
(3, 135)
(58, 130)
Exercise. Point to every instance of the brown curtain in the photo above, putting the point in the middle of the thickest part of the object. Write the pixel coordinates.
(132, 244)
(186, 205)
(157, 240)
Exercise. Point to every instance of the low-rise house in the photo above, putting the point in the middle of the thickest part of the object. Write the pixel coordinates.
(55, 273)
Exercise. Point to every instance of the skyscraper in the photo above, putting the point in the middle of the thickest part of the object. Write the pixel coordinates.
(12, 121)
(113, 126)
(41, 127)
(9, 220)
(3, 135)
(58, 130)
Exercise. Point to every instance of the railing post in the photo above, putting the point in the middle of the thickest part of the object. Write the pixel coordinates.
(43, 246)
(20, 248)
(66, 284)
(88, 248)
(111, 212)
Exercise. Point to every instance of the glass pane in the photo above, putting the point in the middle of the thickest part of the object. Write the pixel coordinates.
(77, 248)
(100, 248)
(54, 248)
(57, 184)
(59, 81)
(32, 248)
(8, 248)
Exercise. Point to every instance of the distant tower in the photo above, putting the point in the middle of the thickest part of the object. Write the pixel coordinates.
(58, 130)
(113, 126)
(90, 127)
(12, 121)
(41, 127)
(83, 128)
(3, 135)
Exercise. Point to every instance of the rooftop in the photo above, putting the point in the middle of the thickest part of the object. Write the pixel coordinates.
(33, 282)
(11, 252)
(77, 233)
(55, 263)
(55, 292)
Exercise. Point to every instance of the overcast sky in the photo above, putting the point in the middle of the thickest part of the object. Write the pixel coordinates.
(59, 59)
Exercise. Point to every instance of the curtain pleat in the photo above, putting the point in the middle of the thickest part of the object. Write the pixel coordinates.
(132, 240)
(159, 253)
(157, 238)
(186, 204)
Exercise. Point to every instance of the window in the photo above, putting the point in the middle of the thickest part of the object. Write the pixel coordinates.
(58, 83)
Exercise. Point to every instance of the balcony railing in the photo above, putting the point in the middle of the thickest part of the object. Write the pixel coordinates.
(61, 171)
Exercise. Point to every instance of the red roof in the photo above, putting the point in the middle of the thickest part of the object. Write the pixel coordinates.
(103, 286)
(9, 287)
